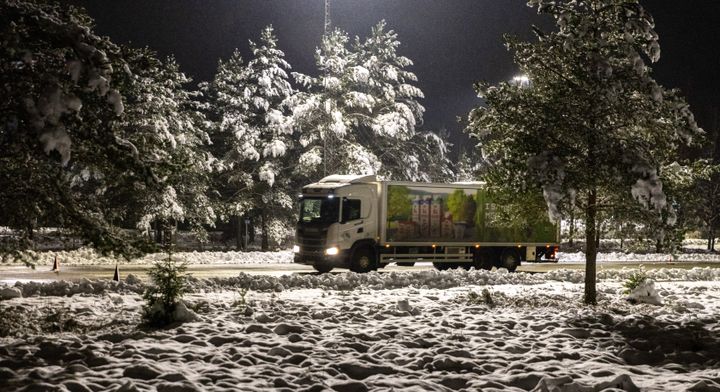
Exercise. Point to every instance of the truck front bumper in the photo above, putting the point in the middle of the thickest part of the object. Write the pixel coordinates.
(313, 258)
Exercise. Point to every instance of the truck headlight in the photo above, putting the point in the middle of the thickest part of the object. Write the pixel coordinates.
(296, 248)
(332, 251)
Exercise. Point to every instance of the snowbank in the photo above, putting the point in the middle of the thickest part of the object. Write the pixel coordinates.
(88, 256)
(579, 257)
(428, 279)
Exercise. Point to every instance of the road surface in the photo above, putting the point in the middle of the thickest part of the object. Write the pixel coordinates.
(13, 273)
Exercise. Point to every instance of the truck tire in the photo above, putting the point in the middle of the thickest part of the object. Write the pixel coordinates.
(406, 264)
(363, 260)
(509, 259)
(322, 267)
(482, 261)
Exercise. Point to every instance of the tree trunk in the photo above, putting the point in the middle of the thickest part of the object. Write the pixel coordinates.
(159, 232)
(264, 246)
(239, 244)
(591, 249)
(658, 246)
(572, 227)
(622, 236)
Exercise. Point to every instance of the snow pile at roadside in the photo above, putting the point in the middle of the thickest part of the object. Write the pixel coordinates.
(579, 257)
(88, 256)
(528, 338)
(428, 279)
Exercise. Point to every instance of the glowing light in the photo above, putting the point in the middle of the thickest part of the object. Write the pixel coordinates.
(521, 80)
(332, 251)
(296, 249)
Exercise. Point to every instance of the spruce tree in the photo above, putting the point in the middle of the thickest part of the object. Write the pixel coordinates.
(256, 133)
(361, 113)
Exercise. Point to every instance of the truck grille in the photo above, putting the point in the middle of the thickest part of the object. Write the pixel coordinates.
(311, 240)
(309, 244)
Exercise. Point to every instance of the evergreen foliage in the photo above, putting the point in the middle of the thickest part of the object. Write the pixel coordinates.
(591, 126)
(255, 136)
(360, 114)
(92, 134)
(162, 297)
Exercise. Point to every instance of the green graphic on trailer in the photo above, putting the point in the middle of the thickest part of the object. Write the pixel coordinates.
(426, 213)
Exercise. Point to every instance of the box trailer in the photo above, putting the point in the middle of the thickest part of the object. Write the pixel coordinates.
(361, 223)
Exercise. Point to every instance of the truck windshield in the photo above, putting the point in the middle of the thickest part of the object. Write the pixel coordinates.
(319, 210)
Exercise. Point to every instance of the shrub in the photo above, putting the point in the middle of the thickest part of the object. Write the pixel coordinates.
(635, 280)
(162, 297)
(484, 298)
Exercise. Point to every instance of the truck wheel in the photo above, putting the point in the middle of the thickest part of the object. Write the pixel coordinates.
(406, 264)
(509, 259)
(363, 260)
(482, 261)
(322, 267)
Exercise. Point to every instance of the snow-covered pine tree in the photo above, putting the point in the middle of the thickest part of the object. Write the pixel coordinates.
(78, 143)
(385, 87)
(256, 132)
(59, 95)
(360, 114)
(164, 125)
(591, 121)
(324, 117)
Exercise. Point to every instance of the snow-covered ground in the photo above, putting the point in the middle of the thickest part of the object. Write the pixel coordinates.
(423, 330)
(88, 256)
(579, 257)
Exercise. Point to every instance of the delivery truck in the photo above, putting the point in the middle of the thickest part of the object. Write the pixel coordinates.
(363, 224)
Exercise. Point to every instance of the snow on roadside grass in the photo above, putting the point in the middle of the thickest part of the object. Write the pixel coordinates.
(579, 257)
(374, 280)
(88, 256)
(531, 336)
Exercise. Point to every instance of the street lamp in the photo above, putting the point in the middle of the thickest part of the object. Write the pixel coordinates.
(521, 80)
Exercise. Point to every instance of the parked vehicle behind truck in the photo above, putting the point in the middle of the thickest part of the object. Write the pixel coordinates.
(360, 223)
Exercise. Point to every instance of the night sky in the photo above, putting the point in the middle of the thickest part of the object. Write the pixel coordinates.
(452, 42)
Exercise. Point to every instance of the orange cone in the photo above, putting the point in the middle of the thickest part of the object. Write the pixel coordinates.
(116, 277)
(56, 265)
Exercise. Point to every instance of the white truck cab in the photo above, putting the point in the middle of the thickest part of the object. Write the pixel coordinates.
(338, 214)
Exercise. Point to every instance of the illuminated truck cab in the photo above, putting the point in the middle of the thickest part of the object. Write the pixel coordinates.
(360, 223)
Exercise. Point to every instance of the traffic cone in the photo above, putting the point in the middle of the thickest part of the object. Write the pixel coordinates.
(116, 277)
(56, 265)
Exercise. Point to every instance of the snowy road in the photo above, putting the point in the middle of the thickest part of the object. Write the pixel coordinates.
(11, 274)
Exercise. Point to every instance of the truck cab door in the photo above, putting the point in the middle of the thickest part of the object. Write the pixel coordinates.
(353, 223)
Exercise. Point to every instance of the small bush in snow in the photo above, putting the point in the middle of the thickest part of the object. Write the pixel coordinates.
(162, 297)
(241, 302)
(634, 281)
(484, 298)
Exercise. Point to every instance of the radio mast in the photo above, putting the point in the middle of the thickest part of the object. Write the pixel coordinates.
(327, 17)
(326, 31)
